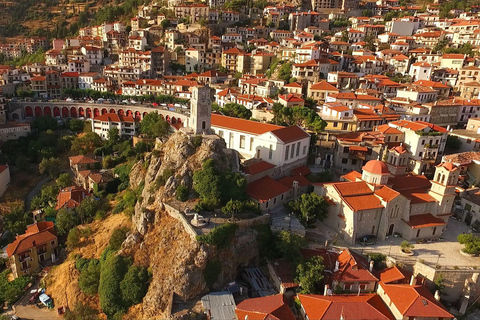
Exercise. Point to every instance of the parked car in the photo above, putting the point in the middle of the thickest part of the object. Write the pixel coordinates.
(46, 300)
(367, 240)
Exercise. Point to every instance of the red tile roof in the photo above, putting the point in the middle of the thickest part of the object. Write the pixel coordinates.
(424, 220)
(265, 189)
(386, 193)
(242, 125)
(265, 308)
(353, 268)
(81, 160)
(415, 301)
(352, 176)
(302, 171)
(113, 117)
(290, 98)
(35, 235)
(376, 167)
(290, 134)
(258, 167)
(288, 181)
(363, 306)
(394, 274)
(70, 197)
(285, 272)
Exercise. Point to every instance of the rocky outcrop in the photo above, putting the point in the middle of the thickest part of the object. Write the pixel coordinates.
(181, 156)
(177, 261)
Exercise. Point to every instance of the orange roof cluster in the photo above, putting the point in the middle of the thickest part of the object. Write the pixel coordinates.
(353, 268)
(81, 159)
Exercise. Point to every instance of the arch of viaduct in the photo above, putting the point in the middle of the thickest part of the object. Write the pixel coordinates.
(21, 110)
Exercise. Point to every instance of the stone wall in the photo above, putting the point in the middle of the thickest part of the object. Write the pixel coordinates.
(174, 213)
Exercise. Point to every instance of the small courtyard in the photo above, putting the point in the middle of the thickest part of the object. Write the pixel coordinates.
(444, 252)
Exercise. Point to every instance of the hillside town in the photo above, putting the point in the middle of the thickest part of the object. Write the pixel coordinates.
(234, 160)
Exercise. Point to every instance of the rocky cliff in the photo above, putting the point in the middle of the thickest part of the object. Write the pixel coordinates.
(177, 261)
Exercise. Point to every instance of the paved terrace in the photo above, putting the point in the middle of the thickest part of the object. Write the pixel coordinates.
(445, 253)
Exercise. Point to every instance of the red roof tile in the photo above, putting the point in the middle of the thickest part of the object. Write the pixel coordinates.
(81, 159)
(265, 189)
(394, 274)
(415, 301)
(258, 167)
(290, 134)
(242, 125)
(70, 197)
(386, 193)
(288, 181)
(265, 308)
(424, 220)
(363, 306)
(36, 234)
(114, 117)
(352, 176)
(353, 268)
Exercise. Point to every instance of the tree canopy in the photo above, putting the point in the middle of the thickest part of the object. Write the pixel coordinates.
(301, 116)
(309, 208)
(309, 275)
(153, 126)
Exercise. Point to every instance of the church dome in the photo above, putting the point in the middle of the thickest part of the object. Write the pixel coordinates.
(376, 167)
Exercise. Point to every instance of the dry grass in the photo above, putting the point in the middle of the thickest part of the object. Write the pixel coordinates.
(62, 281)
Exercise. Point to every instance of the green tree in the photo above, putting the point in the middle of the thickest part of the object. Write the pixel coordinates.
(165, 24)
(66, 220)
(76, 125)
(44, 123)
(309, 208)
(90, 278)
(112, 272)
(73, 238)
(453, 143)
(153, 125)
(471, 243)
(236, 110)
(182, 193)
(87, 209)
(50, 166)
(309, 275)
(64, 180)
(289, 245)
(16, 222)
(81, 311)
(116, 239)
(285, 72)
(135, 285)
(87, 143)
(113, 136)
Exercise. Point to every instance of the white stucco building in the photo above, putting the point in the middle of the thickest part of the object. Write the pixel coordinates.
(275, 144)
(127, 126)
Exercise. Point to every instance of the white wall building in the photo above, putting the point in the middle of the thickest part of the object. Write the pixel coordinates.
(127, 126)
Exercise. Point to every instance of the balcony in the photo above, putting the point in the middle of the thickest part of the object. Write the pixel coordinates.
(430, 147)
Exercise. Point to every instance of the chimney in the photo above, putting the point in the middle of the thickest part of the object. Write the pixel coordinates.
(325, 290)
(413, 280)
(437, 295)
(371, 266)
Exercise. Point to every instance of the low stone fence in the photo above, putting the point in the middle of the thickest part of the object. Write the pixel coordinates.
(174, 213)
(248, 223)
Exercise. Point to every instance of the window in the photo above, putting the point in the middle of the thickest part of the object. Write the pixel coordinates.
(287, 149)
(230, 142)
(418, 233)
(420, 154)
(251, 144)
(344, 160)
(304, 149)
(345, 149)
(360, 216)
(242, 142)
(220, 133)
(292, 153)
(335, 124)
(423, 142)
(354, 162)
(274, 200)
(469, 141)
(270, 152)
(297, 153)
